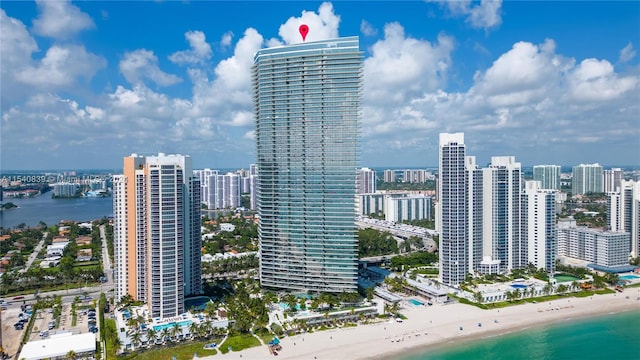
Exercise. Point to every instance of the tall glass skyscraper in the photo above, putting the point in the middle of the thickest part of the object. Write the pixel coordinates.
(307, 101)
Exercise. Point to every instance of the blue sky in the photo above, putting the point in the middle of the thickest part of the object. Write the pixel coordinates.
(86, 83)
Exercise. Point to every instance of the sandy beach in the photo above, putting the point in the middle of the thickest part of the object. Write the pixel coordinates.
(437, 325)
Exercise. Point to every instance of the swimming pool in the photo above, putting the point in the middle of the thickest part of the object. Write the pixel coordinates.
(629, 277)
(285, 306)
(519, 286)
(197, 303)
(171, 324)
(415, 302)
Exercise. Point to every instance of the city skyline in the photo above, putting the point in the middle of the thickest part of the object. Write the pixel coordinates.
(86, 83)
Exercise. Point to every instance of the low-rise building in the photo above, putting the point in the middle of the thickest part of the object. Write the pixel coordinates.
(59, 345)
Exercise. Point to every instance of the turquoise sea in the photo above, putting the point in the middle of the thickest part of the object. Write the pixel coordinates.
(614, 336)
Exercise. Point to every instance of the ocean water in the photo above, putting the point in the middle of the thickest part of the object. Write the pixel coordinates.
(614, 336)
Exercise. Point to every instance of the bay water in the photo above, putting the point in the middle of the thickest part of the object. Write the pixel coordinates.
(32, 210)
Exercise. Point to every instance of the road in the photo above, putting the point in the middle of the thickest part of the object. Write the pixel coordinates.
(34, 254)
(69, 294)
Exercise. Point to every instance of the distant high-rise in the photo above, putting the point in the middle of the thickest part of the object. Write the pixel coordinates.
(307, 101)
(366, 180)
(220, 191)
(548, 175)
(451, 211)
(389, 175)
(587, 178)
(612, 179)
(540, 232)
(157, 241)
(414, 176)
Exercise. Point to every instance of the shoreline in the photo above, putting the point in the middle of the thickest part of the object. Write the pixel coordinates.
(438, 327)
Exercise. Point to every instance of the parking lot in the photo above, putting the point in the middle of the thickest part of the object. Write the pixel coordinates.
(46, 325)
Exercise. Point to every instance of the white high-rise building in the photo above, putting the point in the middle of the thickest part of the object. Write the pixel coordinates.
(414, 176)
(366, 180)
(541, 230)
(451, 212)
(494, 216)
(587, 178)
(624, 213)
(548, 175)
(157, 241)
(207, 186)
(502, 238)
(220, 191)
(389, 175)
(612, 179)
(477, 260)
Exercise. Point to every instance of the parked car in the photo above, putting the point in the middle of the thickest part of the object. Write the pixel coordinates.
(18, 326)
(93, 329)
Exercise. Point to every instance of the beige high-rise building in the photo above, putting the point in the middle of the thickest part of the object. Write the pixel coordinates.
(157, 241)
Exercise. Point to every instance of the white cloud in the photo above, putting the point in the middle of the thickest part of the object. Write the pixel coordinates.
(235, 72)
(485, 15)
(530, 98)
(250, 135)
(595, 80)
(200, 50)
(367, 29)
(523, 74)
(627, 53)
(226, 39)
(322, 25)
(142, 64)
(16, 44)
(61, 67)
(60, 19)
(400, 66)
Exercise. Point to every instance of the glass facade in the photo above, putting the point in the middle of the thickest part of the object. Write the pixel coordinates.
(307, 100)
(453, 221)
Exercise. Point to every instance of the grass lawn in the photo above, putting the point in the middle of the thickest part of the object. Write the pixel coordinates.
(498, 305)
(239, 342)
(264, 334)
(181, 351)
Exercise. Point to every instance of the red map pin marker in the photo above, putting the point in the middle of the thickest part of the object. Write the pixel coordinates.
(304, 30)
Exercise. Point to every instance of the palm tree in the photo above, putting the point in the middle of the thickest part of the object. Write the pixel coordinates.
(71, 355)
(175, 331)
(116, 343)
(136, 339)
(574, 285)
(166, 333)
(133, 323)
(478, 297)
(207, 328)
(193, 329)
(152, 335)
(210, 309)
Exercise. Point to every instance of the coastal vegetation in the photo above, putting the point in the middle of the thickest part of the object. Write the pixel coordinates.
(65, 273)
(406, 186)
(243, 238)
(8, 205)
(416, 259)
(372, 242)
